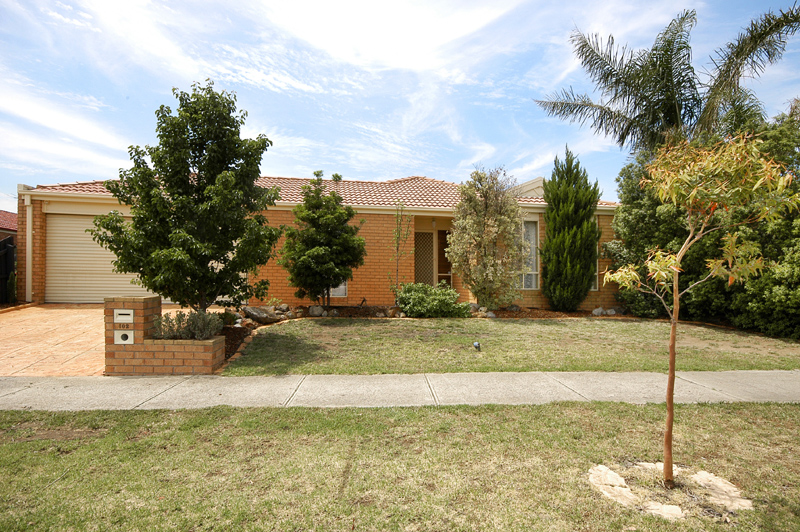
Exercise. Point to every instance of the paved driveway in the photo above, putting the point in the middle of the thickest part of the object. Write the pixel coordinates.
(52, 340)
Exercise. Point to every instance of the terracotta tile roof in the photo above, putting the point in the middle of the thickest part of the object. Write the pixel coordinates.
(8, 220)
(414, 192)
(83, 187)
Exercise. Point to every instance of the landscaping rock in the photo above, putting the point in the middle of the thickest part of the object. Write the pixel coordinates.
(260, 315)
(611, 312)
(315, 311)
(299, 313)
(612, 485)
(483, 309)
(290, 315)
(491, 314)
(598, 311)
(271, 309)
(514, 308)
(283, 308)
(380, 315)
(403, 315)
(473, 307)
(722, 492)
(333, 313)
(619, 310)
(667, 511)
(250, 324)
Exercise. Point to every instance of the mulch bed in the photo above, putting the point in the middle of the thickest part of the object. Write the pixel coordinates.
(234, 336)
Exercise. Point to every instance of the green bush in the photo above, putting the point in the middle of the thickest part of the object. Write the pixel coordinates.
(421, 300)
(228, 317)
(192, 326)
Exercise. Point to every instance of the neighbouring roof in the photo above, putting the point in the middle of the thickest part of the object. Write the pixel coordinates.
(414, 192)
(8, 221)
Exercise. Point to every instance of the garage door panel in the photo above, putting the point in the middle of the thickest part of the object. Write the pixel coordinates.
(78, 270)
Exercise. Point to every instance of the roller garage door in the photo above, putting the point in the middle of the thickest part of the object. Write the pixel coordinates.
(78, 270)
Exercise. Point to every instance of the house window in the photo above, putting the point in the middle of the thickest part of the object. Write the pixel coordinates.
(529, 279)
(339, 291)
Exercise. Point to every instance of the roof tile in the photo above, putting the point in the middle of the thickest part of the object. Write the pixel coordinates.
(8, 220)
(414, 191)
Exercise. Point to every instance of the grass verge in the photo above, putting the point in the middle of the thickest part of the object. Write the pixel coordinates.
(358, 346)
(458, 468)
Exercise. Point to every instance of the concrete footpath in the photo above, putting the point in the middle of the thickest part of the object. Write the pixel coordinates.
(331, 391)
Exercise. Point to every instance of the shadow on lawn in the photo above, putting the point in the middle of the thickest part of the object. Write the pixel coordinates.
(278, 354)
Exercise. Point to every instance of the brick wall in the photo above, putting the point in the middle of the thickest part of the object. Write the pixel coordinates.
(604, 297)
(39, 251)
(146, 356)
(370, 281)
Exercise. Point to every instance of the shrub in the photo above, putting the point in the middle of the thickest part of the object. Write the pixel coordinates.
(192, 326)
(228, 317)
(421, 300)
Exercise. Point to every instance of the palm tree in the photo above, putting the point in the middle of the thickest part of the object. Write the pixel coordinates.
(649, 96)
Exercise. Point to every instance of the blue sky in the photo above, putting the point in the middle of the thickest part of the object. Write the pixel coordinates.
(368, 89)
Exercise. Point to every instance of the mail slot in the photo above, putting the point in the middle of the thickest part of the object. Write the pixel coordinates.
(123, 337)
(123, 315)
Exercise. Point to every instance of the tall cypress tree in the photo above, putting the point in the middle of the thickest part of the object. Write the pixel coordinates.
(569, 253)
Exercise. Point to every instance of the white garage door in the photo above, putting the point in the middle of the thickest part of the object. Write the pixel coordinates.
(79, 270)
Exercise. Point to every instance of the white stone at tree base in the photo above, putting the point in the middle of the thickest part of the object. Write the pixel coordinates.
(722, 492)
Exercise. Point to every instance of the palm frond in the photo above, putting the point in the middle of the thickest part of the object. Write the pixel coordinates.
(602, 118)
(759, 45)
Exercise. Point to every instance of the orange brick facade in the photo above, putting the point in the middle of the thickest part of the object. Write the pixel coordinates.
(603, 297)
(146, 356)
(39, 255)
(371, 281)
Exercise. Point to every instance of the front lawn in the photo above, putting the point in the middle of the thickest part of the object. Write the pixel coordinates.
(454, 468)
(359, 346)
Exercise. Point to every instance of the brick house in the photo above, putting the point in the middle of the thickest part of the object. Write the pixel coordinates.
(8, 225)
(67, 266)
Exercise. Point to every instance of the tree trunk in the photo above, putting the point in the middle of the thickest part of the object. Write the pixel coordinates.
(669, 481)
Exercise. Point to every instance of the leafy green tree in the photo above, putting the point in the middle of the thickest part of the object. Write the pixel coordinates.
(197, 214)
(707, 184)
(322, 251)
(648, 96)
(766, 303)
(486, 247)
(569, 253)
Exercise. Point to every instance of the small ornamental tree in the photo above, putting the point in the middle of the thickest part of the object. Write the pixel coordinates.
(322, 251)
(569, 254)
(403, 225)
(708, 185)
(486, 247)
(197, 225)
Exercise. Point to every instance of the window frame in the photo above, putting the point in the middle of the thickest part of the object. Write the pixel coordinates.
(535, 251)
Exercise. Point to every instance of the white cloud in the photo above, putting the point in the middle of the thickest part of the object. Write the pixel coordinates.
(21, 101)
(377, 35)
(55, 156)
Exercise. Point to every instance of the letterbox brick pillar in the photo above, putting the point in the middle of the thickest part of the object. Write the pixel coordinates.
(142, 355)
(121, 358)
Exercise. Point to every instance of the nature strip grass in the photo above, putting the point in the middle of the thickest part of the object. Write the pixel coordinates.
(361, 346)
(455, 468)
